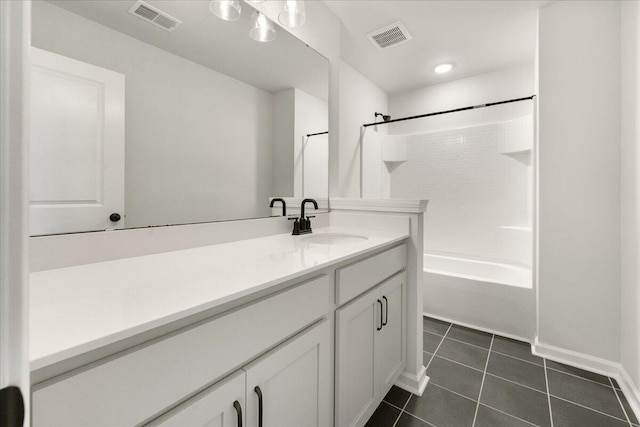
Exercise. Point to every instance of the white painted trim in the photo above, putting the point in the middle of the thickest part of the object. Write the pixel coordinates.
(415, 384)
(479, 328)
(578, 360)
(379, 205)
(630, 390)
(593, 364)
(15, 27)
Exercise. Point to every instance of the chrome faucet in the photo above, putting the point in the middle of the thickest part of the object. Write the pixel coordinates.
(302, 225)
(284, 205)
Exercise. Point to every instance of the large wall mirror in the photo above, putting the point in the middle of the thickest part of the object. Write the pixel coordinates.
(133, 125)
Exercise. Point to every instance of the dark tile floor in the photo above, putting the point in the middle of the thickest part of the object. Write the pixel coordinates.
(483, 380)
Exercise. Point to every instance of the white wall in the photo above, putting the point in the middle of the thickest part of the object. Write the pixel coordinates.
(311, 116)
(630, 192)
(579, 161)
(283, 128)
(509, 83)
(179, 115)
(359, 100)
(296, 114)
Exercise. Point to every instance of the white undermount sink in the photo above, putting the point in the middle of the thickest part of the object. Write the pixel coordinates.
(334, 238)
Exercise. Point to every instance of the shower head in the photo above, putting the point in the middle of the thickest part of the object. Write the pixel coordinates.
(385, 117)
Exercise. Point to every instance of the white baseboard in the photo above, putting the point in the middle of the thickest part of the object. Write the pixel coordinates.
(630, 390)
(479, 328)
(594, 364)
(573, 358)
(413, 383)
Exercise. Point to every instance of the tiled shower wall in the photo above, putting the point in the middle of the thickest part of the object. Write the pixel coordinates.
(478, 181)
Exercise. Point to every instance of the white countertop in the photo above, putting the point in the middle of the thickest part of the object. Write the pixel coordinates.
(78, 309)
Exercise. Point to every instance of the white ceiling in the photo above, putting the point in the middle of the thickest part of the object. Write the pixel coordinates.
(220, 45)
(475, 35)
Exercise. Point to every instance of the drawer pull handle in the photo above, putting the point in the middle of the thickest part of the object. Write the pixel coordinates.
(380, 327)
(238, 407)
(259, 393)
(386, 311)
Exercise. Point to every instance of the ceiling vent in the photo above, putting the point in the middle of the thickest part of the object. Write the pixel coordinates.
(151, 14)
(391, 35)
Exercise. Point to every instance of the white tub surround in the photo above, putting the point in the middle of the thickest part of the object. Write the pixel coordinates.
(349, 213)
(491, 296)
(477, 269)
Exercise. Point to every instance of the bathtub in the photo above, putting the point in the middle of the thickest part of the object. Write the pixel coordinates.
(482, 294)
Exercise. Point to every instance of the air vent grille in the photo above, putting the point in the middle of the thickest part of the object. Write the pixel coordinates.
(157, 17)
(146, 12)
(391, 35)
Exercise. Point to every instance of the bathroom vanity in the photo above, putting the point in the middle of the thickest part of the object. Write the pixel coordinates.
(278, 330)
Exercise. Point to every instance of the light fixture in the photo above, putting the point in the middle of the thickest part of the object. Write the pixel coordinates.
(262, 29)
(294, 14)
(256, 1)
(229, 10)
(443, 68)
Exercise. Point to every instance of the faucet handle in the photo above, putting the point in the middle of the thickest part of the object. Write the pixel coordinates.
(296, 225)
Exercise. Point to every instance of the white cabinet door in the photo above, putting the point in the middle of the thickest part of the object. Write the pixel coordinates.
(370, 350)
(76, 145)
(356, 327)
(390, 340)
(221, 405)
(293, 381)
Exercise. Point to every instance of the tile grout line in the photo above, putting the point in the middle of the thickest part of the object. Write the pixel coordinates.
(624, 411)
(417, 417)
(579, 377)
(476, 401)
(402, 410)
(544, 366)
(437, 348)
(426, 367)
(517, 358)
(515, 383)
(509, 415)
(586, 407)
(454, 392)
(472, 400)
(464, 342)
(546, 382)
(395, 406)
(461, 364)
(484, 375)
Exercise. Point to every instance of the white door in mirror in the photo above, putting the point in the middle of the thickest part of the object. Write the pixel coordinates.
(76, 146)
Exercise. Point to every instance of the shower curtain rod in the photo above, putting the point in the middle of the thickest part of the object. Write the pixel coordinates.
(319, 133)
(473, 107)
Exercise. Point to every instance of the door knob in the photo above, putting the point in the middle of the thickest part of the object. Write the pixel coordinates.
(115, 217)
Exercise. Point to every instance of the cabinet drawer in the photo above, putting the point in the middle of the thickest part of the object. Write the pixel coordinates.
(212, 407)
(357, 278)
(130, 389)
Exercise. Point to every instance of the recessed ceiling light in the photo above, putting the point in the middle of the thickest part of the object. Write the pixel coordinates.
(443, 68)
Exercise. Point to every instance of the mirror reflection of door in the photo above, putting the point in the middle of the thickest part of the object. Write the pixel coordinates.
(77, 146)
